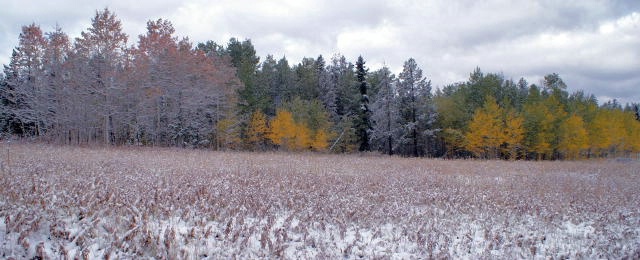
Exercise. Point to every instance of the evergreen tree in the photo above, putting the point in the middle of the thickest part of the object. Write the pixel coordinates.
(104, 48)
(306, 79)
(283, 88)
(4, 116)
(55, 66)
(26, 90)
(211, 48)
(583, 105)
(267, 78)
(417, 113)
(385, 113)
(451, 105)
(343, 76)
(347, 98)
(554, 85)
(454, 142)
(523, 92)
(10, 101)
(327, 88)
(244, 59)
(363, 123)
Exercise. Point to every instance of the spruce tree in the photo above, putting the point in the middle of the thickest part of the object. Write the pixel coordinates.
(4, 116)
(417, 112)
(244, 59)
(363, 123)
(384, 113)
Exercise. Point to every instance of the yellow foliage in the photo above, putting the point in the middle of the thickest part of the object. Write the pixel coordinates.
(544, 132)
(302, 138)
(599, 138)
(612, 131)
(283, 129)
(633, 130)
(295, 136)
(513, 134)
(258, 130)
(630, 141)
(485, 133)
(616, 131)
(320, 141)
(573, 137)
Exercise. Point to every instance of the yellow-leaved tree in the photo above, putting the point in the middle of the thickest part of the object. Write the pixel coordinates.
(283, 129)
(257, 131)
(513, 134)
(320, 141)
(485, 133)
(574, 138)
(541, 117)
(302, 138)
(617, 132)
(607, 132)
(314, 124)
(599, 138)
(633, 133)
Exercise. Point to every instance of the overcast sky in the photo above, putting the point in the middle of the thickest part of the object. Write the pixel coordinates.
(594, 45)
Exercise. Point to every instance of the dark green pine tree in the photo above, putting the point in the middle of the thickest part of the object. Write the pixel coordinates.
(244, 59)
(363, 121)
(211, 48)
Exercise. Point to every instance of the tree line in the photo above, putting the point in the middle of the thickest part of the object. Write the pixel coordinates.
(167, 91)
(514, 120)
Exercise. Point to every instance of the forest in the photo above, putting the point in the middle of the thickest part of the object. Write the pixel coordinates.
(166, 91)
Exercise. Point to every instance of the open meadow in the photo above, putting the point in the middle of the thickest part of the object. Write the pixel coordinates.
(167, 203)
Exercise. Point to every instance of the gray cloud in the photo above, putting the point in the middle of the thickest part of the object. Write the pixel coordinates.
(592, 44)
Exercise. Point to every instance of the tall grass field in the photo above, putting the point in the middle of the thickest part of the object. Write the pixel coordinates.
(60, 202)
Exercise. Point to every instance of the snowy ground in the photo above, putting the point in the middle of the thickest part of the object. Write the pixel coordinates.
(190, 204)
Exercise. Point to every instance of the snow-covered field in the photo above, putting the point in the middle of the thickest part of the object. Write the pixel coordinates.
(192, 204)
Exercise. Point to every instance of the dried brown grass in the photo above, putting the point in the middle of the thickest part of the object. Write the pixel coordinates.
(175, 203)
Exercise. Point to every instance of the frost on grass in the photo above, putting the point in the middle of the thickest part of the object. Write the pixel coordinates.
(168, 203)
